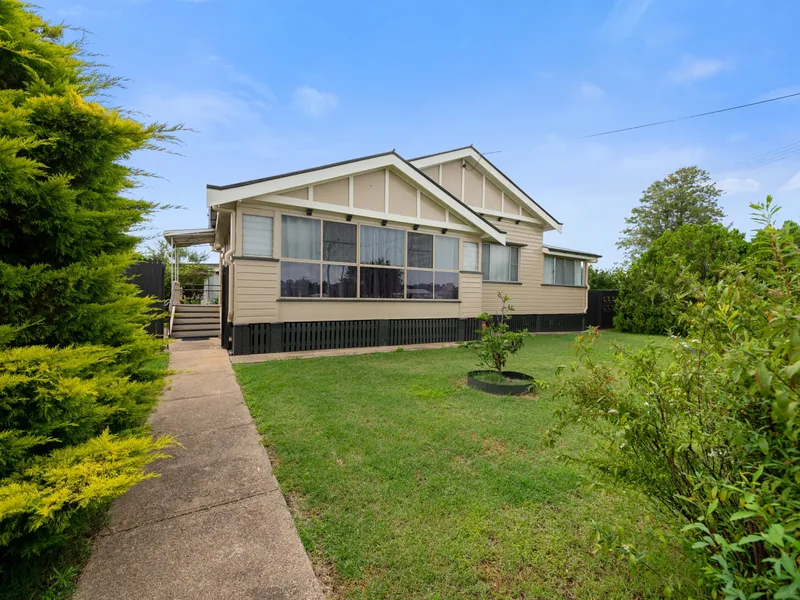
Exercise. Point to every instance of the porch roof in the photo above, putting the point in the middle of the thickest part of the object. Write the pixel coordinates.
(179, 238)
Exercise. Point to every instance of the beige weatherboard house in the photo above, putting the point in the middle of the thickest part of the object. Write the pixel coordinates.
(382, 250)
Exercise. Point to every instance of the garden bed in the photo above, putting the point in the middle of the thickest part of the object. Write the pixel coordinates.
(511, 383)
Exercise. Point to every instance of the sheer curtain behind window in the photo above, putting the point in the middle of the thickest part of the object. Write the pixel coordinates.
(300, 238)
(578, 272)
(470, 259)
(446, 253)
(382, 246)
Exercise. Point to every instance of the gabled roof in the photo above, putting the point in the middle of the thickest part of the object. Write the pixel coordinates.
(570, 253)
(275, 184)
(484, 164)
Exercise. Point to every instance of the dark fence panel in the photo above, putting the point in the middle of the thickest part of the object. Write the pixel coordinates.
(259, 338)
(423, 331)
(148, 276)
(602, 308)
(547, 323)
(329, 335)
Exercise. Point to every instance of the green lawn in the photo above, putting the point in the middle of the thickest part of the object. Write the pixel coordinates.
(406, 484)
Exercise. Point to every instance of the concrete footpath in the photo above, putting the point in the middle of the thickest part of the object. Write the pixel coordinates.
(214, 525)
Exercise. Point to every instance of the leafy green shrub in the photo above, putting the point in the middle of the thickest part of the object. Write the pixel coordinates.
(40, 504)
(76, 374)
(708, 426)
(651, 294)
(497, 342)
(605, 279)
(67, 446)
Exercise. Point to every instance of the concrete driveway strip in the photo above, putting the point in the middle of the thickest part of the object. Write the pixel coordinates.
(215, 524)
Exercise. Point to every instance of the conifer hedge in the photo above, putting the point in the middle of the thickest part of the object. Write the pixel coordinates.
(76, 365)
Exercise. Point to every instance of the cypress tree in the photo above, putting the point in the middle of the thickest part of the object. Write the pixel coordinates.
(76, 373)
(66, 213)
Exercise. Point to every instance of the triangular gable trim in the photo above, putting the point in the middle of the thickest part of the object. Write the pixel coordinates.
(486, 166)
(274, 185)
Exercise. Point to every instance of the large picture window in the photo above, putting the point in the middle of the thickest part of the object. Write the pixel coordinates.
(382, 246)
(331, 259)
(438, 256)
(381, 283)
(500, 263)
(420, 250)
(299, 280)
(446, 253)
(256, 236)
(339, 281)
(339, 242)
(419, 285)
(320, 245)
(300, 237)
(563, 271)
(445, 286)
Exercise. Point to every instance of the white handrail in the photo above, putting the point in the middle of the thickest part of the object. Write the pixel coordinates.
(174, 300)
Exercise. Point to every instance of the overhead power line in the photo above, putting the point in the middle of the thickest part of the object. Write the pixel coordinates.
(705, 114)
(775, 155)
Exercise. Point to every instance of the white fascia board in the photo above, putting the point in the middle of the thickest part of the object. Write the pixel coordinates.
(497, 178)
(508, 217)
(375, 215)
(589, 259)
(299, 180)
(279, 184)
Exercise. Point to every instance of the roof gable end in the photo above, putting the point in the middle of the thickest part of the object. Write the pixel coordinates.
(480, 162)
(278, 184)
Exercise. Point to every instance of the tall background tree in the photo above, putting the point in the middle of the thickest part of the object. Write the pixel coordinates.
(650, 298)
(685, 197)
(77, 373)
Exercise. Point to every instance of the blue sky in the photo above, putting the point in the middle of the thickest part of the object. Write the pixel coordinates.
(271, 87)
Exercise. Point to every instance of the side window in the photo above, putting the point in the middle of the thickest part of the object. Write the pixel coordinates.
(470, 258)
(563, 271)
(500, 263)
(256, 236)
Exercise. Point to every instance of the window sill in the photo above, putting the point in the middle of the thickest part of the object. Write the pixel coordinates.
(576, 287)
(503, 282)
(366, 300)
(471, 272)
(263, 258)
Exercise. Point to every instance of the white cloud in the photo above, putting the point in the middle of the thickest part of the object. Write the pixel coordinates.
(199, 109)
(591, 91)
(736, 185)
(693, 69)
(792, 184)
(310, 101)
(248, 85)
(623, 19)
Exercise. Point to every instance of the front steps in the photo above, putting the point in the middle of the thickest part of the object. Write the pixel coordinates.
(195, 321)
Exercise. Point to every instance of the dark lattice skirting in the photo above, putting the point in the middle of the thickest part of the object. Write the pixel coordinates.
(261, 338)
